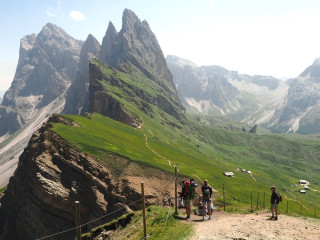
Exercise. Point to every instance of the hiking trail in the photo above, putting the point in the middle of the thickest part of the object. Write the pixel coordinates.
(146, 140)
(255, 226)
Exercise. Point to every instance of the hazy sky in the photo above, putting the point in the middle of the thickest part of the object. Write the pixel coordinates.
(268, 37)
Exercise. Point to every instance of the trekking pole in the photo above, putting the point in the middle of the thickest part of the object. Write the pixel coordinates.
(224, 199)
(251, 203)
(77, 212)
(264, 199)
(175, 191)
(315, 212)
(143, 212)
(258, 200)
(287, 205)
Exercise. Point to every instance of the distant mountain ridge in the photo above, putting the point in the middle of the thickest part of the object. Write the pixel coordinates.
(290, 106)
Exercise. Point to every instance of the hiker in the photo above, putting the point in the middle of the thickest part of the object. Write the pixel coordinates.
(274, 203)
(206, 200)
(188, 192)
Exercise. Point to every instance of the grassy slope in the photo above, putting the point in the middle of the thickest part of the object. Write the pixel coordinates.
(203, 151)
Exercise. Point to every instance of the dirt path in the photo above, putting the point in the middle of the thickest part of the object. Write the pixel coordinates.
(225, 226)
(146, 140)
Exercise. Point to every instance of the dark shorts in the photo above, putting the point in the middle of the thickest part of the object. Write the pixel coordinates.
(274, 205)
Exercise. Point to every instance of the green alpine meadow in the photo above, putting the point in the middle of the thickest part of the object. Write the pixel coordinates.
(204, 152)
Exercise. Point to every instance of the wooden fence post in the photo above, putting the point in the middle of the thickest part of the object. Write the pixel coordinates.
(258, 200)
(287, 205)
(224, 199)
(77, 212)
(175, 190)
(143, 212)
(251, 203)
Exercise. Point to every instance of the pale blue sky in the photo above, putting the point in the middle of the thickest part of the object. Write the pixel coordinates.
(268, 37)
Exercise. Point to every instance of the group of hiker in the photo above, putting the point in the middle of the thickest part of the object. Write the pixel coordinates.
(205, 205)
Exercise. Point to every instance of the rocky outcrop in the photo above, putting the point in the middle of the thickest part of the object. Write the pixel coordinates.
(136, 44)
(254, 129)
(77, 99)
(47, 65)
(51, 175)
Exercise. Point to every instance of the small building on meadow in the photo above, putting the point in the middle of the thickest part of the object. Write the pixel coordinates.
(302, 191)
(306, 188)
(228, 174)
(249, 172)
(243, 170)
(303, 182)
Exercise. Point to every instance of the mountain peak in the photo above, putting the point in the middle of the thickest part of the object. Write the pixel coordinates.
(316, 62)
(129, 18)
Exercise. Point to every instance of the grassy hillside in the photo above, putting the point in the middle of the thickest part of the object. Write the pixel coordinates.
(202, 150)
(161, 225)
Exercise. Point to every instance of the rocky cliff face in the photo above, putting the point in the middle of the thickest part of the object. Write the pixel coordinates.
(47, 65)
(51, 175)
(136, 44)
(77, 99)
(301, 111)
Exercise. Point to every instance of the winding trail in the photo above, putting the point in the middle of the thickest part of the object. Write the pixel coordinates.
(146, 140)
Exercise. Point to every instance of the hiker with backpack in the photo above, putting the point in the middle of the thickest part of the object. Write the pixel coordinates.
(188, 193)
(206, 200)
(275, 199)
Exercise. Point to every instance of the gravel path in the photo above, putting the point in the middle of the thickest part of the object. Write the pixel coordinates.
(255, 227)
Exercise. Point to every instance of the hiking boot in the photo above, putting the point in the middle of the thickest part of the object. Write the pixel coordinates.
(276, 218)
(209, 218)
(204, 218)
(188, 217)
(271, 218)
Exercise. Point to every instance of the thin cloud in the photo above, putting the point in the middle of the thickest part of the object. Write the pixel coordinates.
(77, 16)
(51, 11)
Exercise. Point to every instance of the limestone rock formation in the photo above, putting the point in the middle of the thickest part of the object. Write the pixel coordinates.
(47, 65)
(51, 175)
(136, 44)
(77, 99)
(254, 129)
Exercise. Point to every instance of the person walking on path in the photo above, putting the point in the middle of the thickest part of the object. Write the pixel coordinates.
(274, 203)
(206, 199)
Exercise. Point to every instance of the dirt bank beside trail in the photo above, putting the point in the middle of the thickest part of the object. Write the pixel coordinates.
(255, 227)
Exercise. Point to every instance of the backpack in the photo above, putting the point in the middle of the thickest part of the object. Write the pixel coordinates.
(185, 189)
(192, 189)
(279, 197)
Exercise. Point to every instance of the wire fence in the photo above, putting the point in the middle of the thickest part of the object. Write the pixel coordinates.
(87, 223)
